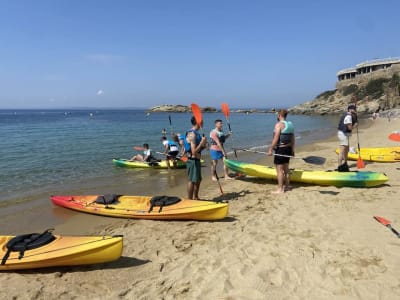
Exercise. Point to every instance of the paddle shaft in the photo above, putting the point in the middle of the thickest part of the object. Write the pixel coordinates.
(170, 124)
(263, 152)
(393, 230)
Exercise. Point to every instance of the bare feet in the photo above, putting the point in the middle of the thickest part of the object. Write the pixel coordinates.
(277, 192)
(229, 178)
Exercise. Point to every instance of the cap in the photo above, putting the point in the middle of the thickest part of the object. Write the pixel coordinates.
(351, 106)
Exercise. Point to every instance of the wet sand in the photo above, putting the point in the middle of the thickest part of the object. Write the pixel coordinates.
(312, 242)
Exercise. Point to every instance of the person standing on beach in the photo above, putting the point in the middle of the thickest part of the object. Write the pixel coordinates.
(217, 150)
(283, 143)
(194, 144)
(346, 124)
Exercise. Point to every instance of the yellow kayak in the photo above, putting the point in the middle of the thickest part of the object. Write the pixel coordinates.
(48, 250)
(381, 154)
(143, 207)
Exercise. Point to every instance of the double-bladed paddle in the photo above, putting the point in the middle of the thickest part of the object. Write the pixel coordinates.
(316, 160)
(360, 162)
(386, 223)
(226, 112)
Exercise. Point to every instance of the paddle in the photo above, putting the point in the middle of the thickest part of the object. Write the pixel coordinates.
(170, 125)
(138, 148)
(386, 223)
(181, 158)
(360, 162)
(199, 120)
(225, 110)
(316, 160)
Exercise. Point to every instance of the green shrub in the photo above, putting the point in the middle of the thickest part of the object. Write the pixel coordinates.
(350, 89)
(326, 94)
(394, 81)
(374, 87)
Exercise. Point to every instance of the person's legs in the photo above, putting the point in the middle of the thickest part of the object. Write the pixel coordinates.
(190, 189)
(286, 175)
(226, 171)
(214, 169)
(196, 190)
(197, 179)
(281, 179)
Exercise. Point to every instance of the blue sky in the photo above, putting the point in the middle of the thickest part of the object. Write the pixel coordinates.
(68, 53)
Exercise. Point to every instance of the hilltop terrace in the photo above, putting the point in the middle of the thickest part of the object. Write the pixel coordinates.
(367, 67)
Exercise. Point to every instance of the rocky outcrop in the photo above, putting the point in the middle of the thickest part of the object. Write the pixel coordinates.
(170, 108)
(377, 94)
(178, 108)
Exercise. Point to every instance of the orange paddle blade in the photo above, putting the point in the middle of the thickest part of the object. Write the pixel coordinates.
(395, 136)
(138, 148)
(183, 158)
(225, 109)
(197, 114)
(381, 220)
(360, 163)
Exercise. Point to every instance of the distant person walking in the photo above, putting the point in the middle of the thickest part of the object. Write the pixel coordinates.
(217, 150)
(194, 144)
(282, 143)
(347, 122)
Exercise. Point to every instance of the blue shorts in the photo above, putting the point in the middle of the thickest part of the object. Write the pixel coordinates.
(215, 155)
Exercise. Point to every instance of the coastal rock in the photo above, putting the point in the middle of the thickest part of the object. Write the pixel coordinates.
(178, 108)
(170, 108)
(377, 93)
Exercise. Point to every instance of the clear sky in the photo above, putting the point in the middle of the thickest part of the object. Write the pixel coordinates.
(82, 53)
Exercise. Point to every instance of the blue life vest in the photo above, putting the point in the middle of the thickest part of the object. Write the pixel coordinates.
(286, 135)
(343, 127)
(220, 135)
(188, 149)
(172, 146)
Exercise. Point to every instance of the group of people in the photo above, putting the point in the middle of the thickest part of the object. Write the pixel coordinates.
(282, 148)
(190, 145)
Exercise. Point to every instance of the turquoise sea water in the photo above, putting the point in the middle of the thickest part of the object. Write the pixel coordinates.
(46, 152)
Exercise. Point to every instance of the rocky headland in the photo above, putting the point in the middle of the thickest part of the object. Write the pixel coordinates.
(377, 91)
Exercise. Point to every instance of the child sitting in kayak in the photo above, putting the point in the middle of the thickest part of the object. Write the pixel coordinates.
(147, 155)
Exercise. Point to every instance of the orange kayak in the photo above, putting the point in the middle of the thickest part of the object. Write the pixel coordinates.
(31, 251)
(144, 207)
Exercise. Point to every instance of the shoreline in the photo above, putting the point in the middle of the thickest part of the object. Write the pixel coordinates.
(313, 242)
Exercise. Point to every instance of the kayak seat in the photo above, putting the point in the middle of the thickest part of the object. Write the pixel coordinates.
(25, 242)
(162, 201)
(107, 199)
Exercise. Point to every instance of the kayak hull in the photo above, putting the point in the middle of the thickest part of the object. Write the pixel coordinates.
(64, 251)
(380, 154)
(330, 178)
(121, 162)
(137, 207)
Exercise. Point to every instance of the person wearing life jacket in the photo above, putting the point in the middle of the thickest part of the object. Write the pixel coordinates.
(282, 143)
(171, 150)
(194, 144)
(217, 150)
(347, 122)
(147, 155)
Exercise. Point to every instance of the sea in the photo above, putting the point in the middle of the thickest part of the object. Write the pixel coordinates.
(69, 151)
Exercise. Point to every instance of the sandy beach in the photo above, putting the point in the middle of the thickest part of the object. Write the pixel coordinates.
(312, 242)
